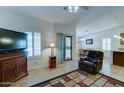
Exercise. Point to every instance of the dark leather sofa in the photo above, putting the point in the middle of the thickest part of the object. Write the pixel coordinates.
(92, 62)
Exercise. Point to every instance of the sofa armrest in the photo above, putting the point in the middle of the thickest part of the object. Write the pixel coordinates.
(97, 61)
(82, 59)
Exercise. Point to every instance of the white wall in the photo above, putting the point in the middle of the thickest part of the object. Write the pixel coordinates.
(98, 36)
(23, 23)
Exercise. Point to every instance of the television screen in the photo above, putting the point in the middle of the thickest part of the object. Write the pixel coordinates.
(11, 40)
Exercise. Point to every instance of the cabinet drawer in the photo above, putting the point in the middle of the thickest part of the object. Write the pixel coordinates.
(13, 60)
(22, 59)
(52, 63)
(53, 60)
(9, 64)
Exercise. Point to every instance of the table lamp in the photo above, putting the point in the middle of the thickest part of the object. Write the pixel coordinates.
(52, 46)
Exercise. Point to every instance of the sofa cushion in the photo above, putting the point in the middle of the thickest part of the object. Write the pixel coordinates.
(91, 59)
(94, 54)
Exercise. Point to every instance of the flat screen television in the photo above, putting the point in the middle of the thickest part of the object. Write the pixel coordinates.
(12, 40)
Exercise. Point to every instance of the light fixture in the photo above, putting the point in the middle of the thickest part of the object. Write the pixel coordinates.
(75, 9)
(72, 9)
(116, 36)
(52, 46)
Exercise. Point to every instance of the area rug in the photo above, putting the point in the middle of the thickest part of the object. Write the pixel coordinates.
(79, 78)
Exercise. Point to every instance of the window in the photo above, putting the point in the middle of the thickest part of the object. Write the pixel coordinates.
(33, 43)
(37, 44)
(106, 44)
(29, 43)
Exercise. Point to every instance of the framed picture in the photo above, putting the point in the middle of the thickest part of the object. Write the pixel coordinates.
(122, 38)
(89, 41)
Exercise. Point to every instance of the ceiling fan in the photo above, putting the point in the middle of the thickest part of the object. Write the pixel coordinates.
(75, 9)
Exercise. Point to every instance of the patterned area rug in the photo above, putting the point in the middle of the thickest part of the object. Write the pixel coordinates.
(81, 78)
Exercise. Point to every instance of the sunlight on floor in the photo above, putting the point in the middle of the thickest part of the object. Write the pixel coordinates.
(113, 71)
(42, 74)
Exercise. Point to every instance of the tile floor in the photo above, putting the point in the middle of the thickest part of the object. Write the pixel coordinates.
(99, 80)
(113, 71)
(43, 74)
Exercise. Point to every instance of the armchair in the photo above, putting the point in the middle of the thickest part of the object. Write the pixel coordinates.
(92, 62)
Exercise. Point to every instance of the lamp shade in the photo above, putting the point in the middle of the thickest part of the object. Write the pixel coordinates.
(52, 45)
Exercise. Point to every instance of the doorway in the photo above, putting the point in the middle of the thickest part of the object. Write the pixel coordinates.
(64, 47)
(68, 48)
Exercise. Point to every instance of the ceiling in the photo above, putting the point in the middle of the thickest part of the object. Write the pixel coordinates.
(55, 14)
(97, 18)
(101, 19)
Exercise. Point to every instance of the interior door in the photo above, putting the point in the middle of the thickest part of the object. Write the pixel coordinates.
(68, 48)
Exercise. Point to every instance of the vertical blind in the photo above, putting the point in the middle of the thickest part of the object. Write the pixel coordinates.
(33, 43)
